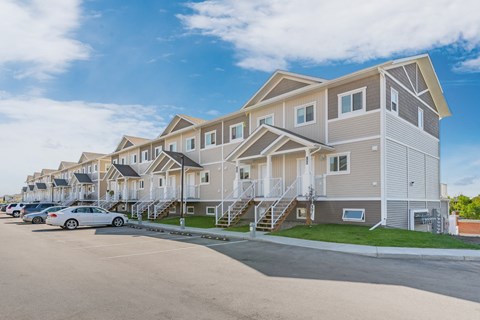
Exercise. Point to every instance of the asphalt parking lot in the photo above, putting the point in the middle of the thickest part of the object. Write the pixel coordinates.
(126, 273)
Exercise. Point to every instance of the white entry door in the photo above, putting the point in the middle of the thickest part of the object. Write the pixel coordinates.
(262, 175)
(190, 183)
(172, 186)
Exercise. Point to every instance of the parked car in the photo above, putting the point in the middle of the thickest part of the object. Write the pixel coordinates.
(3, 207)
(35, 207)
(41, 217)
(72, 217)
(14, 209)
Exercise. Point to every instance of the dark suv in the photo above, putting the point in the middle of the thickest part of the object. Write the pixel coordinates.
(35, 207)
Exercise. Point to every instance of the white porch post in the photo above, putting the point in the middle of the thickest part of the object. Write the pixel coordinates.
(167, 185)
(116, 196)
(125, 189)
(236, 181)
(151, 187)
(267, 181)
(307, 179)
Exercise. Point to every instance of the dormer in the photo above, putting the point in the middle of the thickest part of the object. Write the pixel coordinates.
(181, 121)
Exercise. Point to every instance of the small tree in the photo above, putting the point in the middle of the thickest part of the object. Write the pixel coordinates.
(310, 196)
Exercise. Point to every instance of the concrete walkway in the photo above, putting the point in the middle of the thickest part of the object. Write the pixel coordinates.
(371, 251)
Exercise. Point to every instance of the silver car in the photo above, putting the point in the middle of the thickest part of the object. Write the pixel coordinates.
(41, 216)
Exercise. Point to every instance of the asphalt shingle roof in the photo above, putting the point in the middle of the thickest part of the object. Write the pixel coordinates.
(177, 157)
(126, 171)
(60, 182)
(83, 178)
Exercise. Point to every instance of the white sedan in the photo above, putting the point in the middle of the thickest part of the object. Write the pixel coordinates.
(72, 217)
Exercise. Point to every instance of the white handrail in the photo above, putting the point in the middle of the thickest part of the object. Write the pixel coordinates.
(292, 191)
(267, 203)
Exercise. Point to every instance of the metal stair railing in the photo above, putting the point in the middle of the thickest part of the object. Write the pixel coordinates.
(139, 205)
(265, 205)
(247, 195)
(289, 195)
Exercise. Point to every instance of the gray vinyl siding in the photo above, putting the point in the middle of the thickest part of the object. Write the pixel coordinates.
(181, 124)
(264, 141)
(372, 95)
(432, 177)
(397, 214)
(290, 145)
(365, 125)
(144, 148)
(217, 127)
(417, 205)
(400, 75)
(421, 83)
(416, 174)
(400, 131)
(284, 86)
(408, 108)
(433, 205)
(428, 99)
(275, 109)
(227, 123)
(396, 173)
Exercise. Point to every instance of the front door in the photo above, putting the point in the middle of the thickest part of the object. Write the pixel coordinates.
(262, 175)
(172, 186)
(190, 186)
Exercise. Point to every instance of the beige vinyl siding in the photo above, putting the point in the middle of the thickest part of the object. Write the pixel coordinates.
(365, 125)
(289, 145)
(211, 155)
(397, 171)
(213, 190)
(364, 171)
(240, 119)
(264, 141)
(315, 130)
(275, 109)
(217, 127)
(397, 214)
(398, 130)
(372, 95)
(277, 166)
(175, 139)
(291, 166)
(228, 148)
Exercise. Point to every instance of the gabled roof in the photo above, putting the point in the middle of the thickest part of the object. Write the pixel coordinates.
(36, 175)
(81, 178)
(86, 156)
(181, 121)
(66, 164)
(47, 171)
(41, 186)
(29, 177)
(169, 160)
(122, 170)
(60, 183)
(279, 83)
(267, 140)
(129, 141)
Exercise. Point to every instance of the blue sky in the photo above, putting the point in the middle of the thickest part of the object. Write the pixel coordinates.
(84, 73)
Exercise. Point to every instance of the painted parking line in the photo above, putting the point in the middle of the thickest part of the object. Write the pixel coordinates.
(117, 244)
(224, 243)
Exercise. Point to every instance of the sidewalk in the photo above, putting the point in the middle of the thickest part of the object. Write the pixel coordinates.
(371, 251)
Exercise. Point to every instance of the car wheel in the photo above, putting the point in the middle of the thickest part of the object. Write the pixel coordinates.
(117, 222)
(16, 214)
(71, 224)
(37, 220)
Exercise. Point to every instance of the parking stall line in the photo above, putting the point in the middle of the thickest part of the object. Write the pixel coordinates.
(117, 244)
(224, 243)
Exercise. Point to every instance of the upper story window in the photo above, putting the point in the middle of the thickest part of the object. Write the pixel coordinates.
(268, 119)
(421, 119)
(89, 169)
(339, 163)
(210, 138)
(172, 146)
(244, 172)
(95, 167)
(394, 100)
(352, 102)
(144, 155)
(205, 177)
(83, 170)
(160, 182)
(236, 132)
(123, 161)
(305, 114)
(190, 144)
(115, 161)
(134, 158)
(158, 150)
(141, 184)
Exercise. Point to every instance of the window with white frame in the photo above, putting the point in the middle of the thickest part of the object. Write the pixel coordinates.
(141, 184)
(134, 158)
(172, 147)
(123, 161)
(144, 155)
(339, 163)
(210, 211)
(190, 210)
(160, 182)
(268, 119)
(95, 167)
(394, 100)
(158, 150)
(89, 169)
(305, 114)
(302, 213)
(115, 161)
(190, 144)
(83, 170)
(244, 172)
(172, 209)
(205, 177)
(351, 102)
(236, 132)
(357, 215)
(420, 118)
(210, 138)
(93, 188)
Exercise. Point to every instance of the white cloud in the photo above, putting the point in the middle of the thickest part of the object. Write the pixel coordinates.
(271, 34)
(470, 65)
(36, 38)
(37, 133)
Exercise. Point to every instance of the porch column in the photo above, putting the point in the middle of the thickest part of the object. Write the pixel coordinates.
(151, 187)
(236, 181)
(167, 185)
(125, 189)
(267, 182)
(307, 179)
(116, 196)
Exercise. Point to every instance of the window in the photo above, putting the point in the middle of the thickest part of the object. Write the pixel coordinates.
(172, 146)
(210, 138)
(134, 158)
(420, 118)
(172, 209)
(339, 163)
(141, 184)
(236, 132)
(302, 213)
(123, 161)
(158, 150)
(394, 100)
(144, 155)
(190, 210)
(205, 177)
(265, 120)
(83, 170)
(210, 211)
(304, 115)
(160, 182)
(353, 215)
(190, 144)
(244, 172)
(95, 168)
(93, 188)
(115, 161)
(89, 169)
(351, 102)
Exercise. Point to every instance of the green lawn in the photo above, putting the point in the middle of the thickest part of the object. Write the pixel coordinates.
(379, 237)
(191, 221)
(244, 228)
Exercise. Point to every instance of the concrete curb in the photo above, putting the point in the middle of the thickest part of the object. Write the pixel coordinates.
(369, 251)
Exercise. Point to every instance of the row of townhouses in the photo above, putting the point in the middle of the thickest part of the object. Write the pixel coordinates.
(364, 146)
